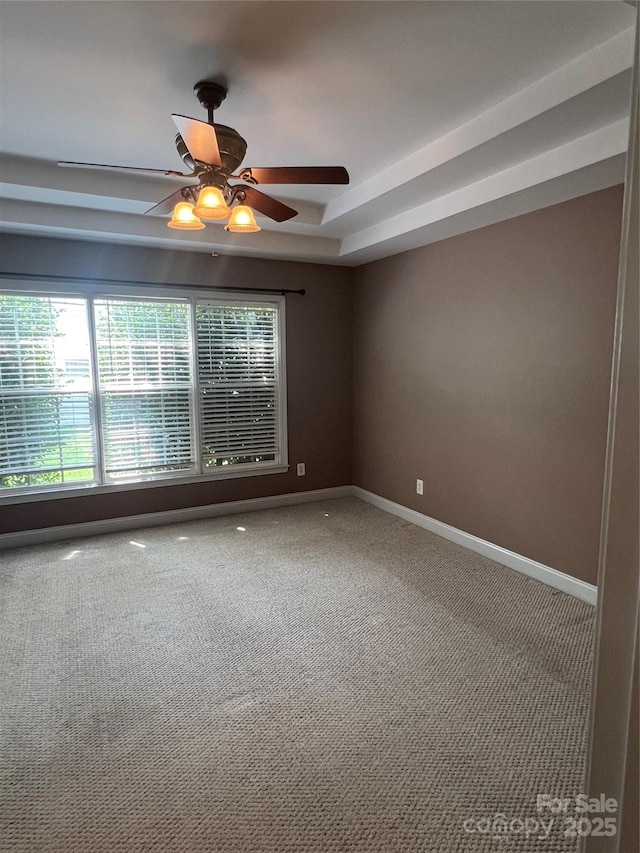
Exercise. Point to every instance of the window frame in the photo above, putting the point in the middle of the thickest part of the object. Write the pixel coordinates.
(192, 295)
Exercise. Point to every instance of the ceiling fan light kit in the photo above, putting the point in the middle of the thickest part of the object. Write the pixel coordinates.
(211, 204)
(212, 152)
(242, 221)
(184, 219)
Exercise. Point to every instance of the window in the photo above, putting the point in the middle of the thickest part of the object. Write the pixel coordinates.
(145, 384)
(46, 432)
(237, 384)
(102, 389)
(77, 368)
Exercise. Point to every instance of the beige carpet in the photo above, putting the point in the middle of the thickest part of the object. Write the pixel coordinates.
(323, 677)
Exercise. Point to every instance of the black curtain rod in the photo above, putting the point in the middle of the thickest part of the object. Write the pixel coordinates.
(86, 280)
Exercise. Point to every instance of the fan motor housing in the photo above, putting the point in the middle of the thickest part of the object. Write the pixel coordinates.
(232, 149)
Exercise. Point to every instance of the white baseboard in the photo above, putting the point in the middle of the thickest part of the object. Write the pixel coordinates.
(174, 516)
(552, 577)
(584, 591)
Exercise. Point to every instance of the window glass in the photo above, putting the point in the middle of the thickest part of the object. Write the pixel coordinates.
(144, 373)
(46, 413)
(114, 389)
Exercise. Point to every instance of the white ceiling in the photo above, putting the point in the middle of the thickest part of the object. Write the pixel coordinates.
(448, 115)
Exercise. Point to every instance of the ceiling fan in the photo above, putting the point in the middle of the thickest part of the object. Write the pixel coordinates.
(213, 152)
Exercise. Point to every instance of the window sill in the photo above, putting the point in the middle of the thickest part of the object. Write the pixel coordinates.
(83, 491)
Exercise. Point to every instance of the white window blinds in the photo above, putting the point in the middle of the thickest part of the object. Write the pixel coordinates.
(144, 371)
(238, 383)
(46, 414)
(104, 389)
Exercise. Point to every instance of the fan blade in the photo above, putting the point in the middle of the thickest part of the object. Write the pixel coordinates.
(295, 175)
(200, 138)
(165, 207)
(125, 168)
(275, 210)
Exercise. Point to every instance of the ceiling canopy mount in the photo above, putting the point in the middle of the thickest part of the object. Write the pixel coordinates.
(211, 94)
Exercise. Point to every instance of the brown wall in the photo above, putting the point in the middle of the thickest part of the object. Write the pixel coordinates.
(482, 366)
(319, 354)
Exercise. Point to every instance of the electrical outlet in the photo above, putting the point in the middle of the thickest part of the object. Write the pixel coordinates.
(419, 487)
(301, 469)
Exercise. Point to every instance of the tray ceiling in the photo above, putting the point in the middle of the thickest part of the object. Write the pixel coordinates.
(448, 115)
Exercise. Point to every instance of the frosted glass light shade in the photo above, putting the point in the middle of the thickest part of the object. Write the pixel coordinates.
(211, 204)
(242, 220)
(184, 218)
